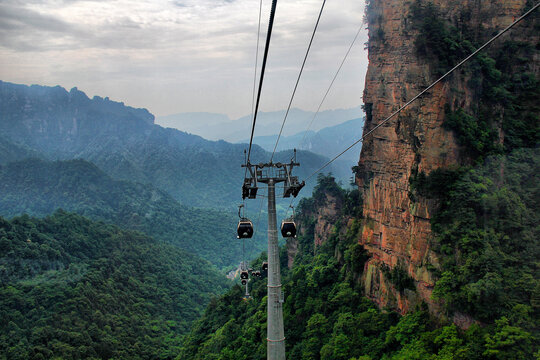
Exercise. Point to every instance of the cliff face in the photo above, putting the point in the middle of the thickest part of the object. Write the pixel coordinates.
(318, 220)
(396, 229)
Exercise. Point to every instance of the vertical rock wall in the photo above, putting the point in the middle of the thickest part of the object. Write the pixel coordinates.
(396, 230)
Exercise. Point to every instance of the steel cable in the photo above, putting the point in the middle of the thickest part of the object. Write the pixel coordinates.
(298, 79)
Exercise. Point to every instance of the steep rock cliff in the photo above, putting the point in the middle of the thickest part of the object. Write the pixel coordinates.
(396, 227)
(318, 216)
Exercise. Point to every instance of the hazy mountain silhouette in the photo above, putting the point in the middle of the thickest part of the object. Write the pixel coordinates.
(127, 145)
(328, 141)
(268, 123)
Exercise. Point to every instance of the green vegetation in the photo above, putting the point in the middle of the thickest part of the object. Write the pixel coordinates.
(475, 135)
(12, 152)
(436, 184)
(486, 225)
(38, 188)
(71, 289)
(443, 45)
(327, 317)
(503, 81)
(399, 277)
(488, 234)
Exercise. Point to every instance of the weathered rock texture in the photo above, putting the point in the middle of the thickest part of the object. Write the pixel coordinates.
(396, 230)
(318, 220)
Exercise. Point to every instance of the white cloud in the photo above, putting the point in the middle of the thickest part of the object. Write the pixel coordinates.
(182, 55)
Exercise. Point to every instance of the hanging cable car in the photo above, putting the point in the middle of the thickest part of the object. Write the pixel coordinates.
(244, 229)
(244, 274)
(245, 226)
(288, 227)
(264, 266)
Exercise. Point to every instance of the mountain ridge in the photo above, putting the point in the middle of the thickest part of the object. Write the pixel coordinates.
(328, 141)
(127, 145)
(268, 122)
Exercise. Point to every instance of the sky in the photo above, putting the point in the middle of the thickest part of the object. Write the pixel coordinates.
(174, 56)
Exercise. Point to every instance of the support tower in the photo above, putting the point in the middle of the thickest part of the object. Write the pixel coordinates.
(271, 174)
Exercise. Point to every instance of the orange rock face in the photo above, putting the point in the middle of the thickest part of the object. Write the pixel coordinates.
(396, 230)
(326, 217)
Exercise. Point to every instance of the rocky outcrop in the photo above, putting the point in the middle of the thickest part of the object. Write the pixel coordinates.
(319, 221)
(396, 230)
(325, 218)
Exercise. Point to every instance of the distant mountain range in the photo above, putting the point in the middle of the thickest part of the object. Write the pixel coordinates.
(327, 142)
(220, 127)
(54, 124)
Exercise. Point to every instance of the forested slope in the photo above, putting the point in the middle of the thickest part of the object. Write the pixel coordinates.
(12, 152)
(71, 288)
(328, 317)
(39, 187)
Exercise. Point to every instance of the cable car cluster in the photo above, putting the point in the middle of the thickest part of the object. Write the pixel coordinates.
(245, 274)
(245, 228)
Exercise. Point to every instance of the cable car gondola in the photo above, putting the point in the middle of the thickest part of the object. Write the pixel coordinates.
(264, 266)
(288, 228)
(244, 229)
(245, 226)
(244, 274)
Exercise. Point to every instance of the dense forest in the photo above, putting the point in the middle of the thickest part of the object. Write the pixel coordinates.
(38, 188)
(327, 317)
(71, 288)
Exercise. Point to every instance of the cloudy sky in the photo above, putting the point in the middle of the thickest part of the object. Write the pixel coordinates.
(174, 56)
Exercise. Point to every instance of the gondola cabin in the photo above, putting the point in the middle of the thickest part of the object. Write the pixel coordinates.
(244, 275)
(288, 228)
(264, 266)
(244, 229)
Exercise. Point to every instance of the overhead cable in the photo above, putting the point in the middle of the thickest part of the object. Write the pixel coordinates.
(331, 84)
(298, 79)
(324, 97)
(265, 56)
(256, 58)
